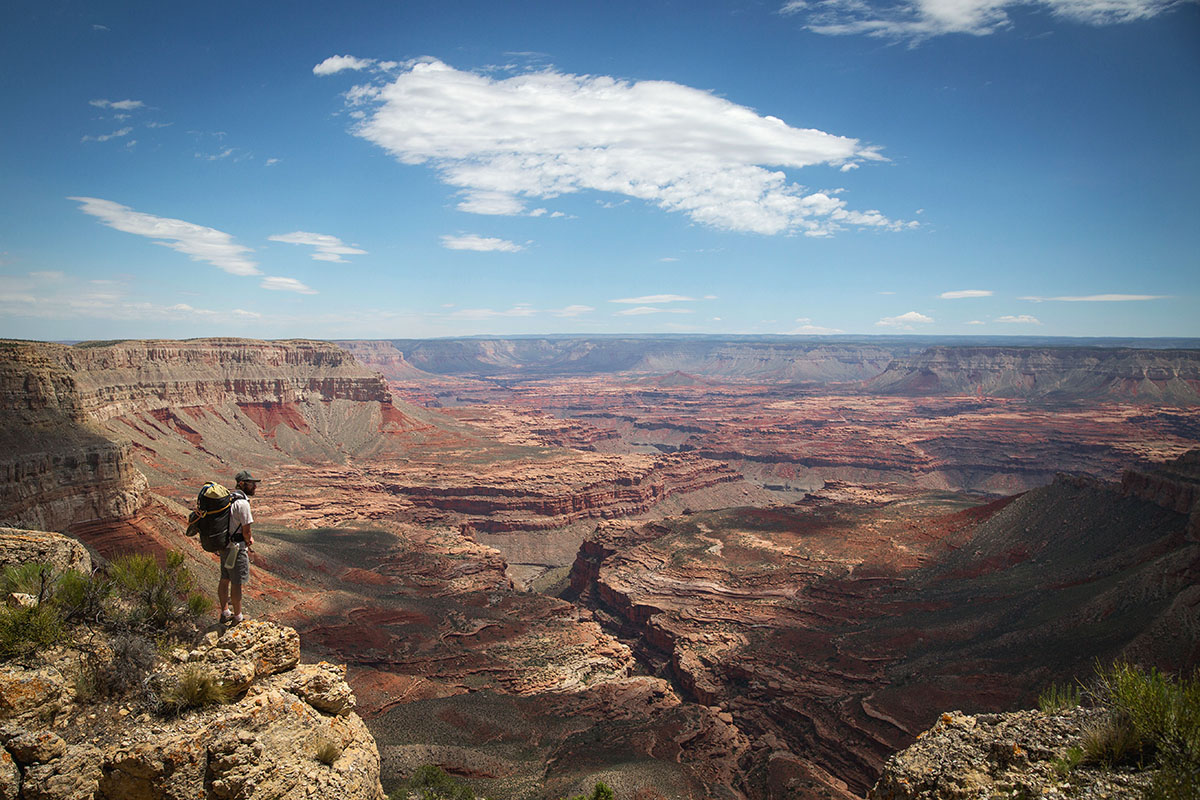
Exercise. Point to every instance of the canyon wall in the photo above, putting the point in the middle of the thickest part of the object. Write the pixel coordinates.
(1159, 376)
(726, 359)
(75, 417)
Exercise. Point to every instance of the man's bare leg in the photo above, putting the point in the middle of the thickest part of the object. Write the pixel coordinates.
(223, 594)
(237, 599)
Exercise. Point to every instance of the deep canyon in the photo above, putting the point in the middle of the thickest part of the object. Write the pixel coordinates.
(735, 568)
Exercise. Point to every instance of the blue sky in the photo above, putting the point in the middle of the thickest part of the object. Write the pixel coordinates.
(411, 169)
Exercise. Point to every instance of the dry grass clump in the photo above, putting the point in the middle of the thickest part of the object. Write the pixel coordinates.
(197, 687)
(328, 750)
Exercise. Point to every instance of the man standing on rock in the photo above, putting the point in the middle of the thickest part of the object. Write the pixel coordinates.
(235, 562)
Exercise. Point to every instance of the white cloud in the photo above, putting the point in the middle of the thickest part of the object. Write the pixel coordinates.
(335, 64)
(641, 310)
(916, 20)
(905, 321)
(655, 298)
(119, 105)
(806, 327)
(480, 244)
(104, 137)
(1100, 298)
(976, 322)
(494, 203)
(668, 259)
(572, 311)
(964, 293)
(196, 241)
(543, 134)
(277, 284)
(1020, 319)
(271, 162)
(328, 248)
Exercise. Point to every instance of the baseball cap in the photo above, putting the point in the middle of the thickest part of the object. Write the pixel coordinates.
(244, 475)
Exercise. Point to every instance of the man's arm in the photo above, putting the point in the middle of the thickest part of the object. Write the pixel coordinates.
(246, 535)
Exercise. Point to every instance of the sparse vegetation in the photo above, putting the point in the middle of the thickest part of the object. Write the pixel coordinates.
(1059, 698)
(26, 629)
(431, 782)
(1152, 722)
(600, 792)
(116, 623)
(197, 687)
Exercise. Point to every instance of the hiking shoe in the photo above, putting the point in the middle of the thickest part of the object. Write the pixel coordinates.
(238, 619)
(226, 615)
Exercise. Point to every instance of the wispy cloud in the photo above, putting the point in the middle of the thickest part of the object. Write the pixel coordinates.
(118, 105)
(1019, 319)
(571, 311)
(542, 134)
(328, 248)
(196, 241)
(480, 244)
(276, 284)
(905, 321)
(518, 310)
(1100, 298)
(965, 293)
(641, 310)
(104, 137)
(655, 298)
(916, 20)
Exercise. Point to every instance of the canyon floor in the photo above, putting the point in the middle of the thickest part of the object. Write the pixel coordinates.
(683, 585)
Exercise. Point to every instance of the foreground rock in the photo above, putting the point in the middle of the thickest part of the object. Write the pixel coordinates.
(290, 732)
(1021, 754)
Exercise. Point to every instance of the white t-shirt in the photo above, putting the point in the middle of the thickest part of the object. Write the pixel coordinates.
(239, 516)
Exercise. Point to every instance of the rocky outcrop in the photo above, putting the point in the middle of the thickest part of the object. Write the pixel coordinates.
(290, 732)
(1150, 376)
(19, 546)
(1174, 486)
(1017, 754)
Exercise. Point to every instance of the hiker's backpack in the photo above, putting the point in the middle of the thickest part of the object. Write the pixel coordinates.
(210, 520)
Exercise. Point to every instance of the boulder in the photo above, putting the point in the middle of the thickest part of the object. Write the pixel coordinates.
(26, 693)
(73, 776)
(19, 546)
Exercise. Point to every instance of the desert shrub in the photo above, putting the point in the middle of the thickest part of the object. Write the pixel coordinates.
(159, 597)
(1164, 714)
(600, 792)
(26, 630)
(1059, 698)
(199, 605)
(431, 782)
(1114, 741)
(328, 749)
(196, 687)
(33, 579)
(81, 597)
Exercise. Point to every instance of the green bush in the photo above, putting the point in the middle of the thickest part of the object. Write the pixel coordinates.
(600, 792)
(159, 597)
(1164, 713)
(33, 579)
(26, 630)
(196, 687)
(81, 597)
(431, 782)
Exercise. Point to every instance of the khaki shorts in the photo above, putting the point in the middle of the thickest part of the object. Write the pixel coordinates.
(240, 574)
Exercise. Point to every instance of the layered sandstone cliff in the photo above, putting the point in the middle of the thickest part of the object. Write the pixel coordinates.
(1152, 376)
(77, 419)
